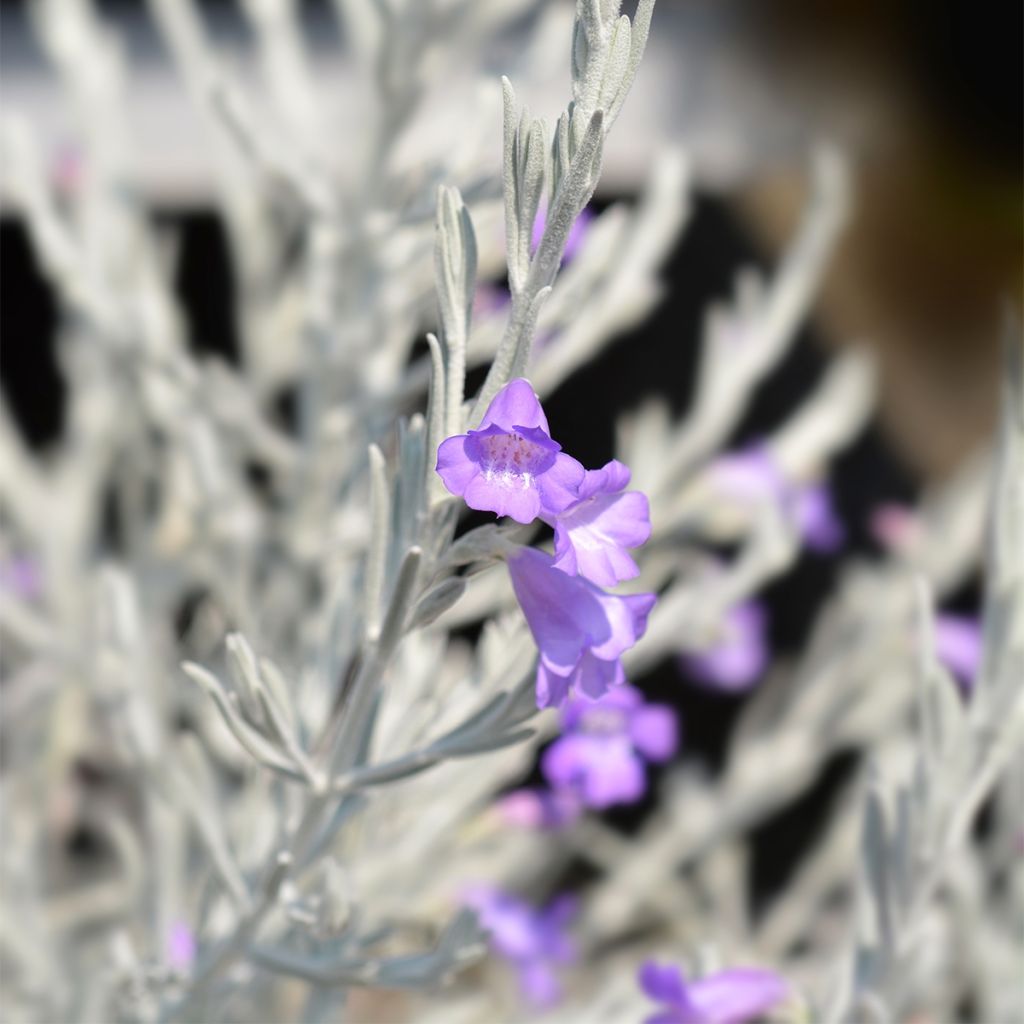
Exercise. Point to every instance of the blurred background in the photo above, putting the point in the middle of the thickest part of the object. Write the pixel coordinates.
(924, 98)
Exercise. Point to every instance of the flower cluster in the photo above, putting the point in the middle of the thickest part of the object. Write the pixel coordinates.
(602, 754)
(533, 940)
(511, 466)
(738, 659)
(754, 475)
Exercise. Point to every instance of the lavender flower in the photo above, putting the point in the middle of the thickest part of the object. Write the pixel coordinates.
(958, 645)
(490, 299)
(533, 940)
(894, 526)
(580, 631)
(753, 475)
(577, 233)
(736, 996)
(593, 533)
(603, 751)
(510, 465)
(739, 659)
(68, 167)
(20, 575)
(816, 519)
(181, 947)
(540, 808)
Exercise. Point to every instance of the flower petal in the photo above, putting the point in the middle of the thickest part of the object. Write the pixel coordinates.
(515, 405)
(663, 984)
(597, 532)
(622, 697)
(737, 661)
(602, 769)
(739, 995)
(565, 762)
(559, 485)
(613, 476)
(455, 466)
(654, 730)
(750, 475)
(539, 984)
(626, 616)
(595, 677)
(539, 808)
(552, 686)
(559, 913)
(510, 922)
(958, 645)
(564, 613)
(615, 775)
(817, 520)
(503, 496)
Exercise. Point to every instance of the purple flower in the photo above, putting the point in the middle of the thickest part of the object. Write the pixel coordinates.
(532, 939)
(894, 526)
(739, 659)
(580, 631)
(958, 645)
(751, 474)
(68, 167)
(181, 947)
(577, 233)
(539, 808)
(816, 518)
(20, 575)
(489, 299)
(754, 475)
(593, 533)
(602, 753)
(511, 466)
(736, 996)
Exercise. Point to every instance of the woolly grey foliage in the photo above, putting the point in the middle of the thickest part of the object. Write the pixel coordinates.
(914, 827)
(309, 811)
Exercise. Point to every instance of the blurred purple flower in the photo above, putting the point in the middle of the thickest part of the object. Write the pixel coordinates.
(510, 465)
(68, 167)
(736, 996)
(532, 939)
(754, 475)
(580, 631)
(489, 299)
(20, 575)
(603, 751)
(593, 534)
(894, 526)
(738, 660)
(816, 519)
(958, 645)
(540, 808)
(750, 474)
(181, 947)
(577, 233)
